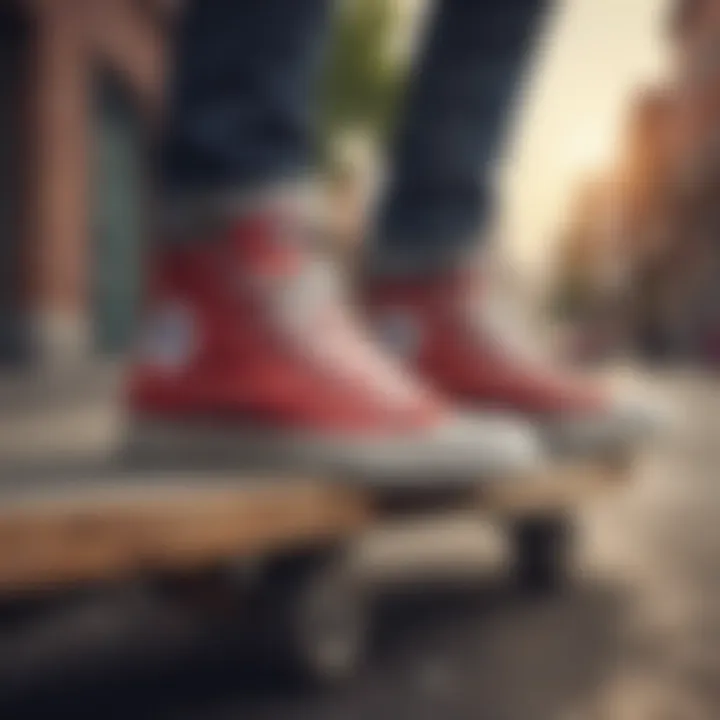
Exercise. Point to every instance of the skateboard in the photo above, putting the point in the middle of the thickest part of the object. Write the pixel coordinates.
(293, 536)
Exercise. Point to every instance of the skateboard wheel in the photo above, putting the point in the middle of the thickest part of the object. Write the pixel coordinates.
(315, 617)
(542, 553)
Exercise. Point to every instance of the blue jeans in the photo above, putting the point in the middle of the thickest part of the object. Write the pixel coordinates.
(240, 113)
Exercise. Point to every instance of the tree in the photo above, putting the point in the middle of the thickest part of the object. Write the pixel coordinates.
(360, 85)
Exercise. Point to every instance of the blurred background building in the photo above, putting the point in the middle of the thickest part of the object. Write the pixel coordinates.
(640, 258)
(80, 85)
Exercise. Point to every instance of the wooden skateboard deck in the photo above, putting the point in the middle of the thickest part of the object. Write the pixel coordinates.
(118, 524)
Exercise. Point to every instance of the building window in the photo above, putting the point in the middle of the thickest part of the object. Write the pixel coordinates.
(119, 213)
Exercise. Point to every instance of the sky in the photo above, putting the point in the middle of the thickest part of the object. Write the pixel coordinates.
(592, 55)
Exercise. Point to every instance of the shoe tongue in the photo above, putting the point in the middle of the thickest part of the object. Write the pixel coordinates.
(304, 295)
(276, 231)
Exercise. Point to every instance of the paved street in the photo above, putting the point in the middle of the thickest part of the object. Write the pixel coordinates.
(638, 637)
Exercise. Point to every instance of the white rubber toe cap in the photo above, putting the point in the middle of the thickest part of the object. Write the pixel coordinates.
(631, 419)
(466, 448)
(493, 444)
(641, 417)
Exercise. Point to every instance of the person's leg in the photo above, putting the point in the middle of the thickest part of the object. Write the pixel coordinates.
(462, 89)
(429, 301)
(239, 114)
(243, 329)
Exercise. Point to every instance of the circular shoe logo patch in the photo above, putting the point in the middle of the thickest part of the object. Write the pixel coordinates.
(168, 337)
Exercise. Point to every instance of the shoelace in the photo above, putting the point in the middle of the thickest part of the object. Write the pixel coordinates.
(316, 315)
(495, 318)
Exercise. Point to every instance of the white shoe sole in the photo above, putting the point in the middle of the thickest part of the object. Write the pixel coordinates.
(465, 450)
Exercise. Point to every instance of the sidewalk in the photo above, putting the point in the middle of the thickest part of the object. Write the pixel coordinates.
(48, 418)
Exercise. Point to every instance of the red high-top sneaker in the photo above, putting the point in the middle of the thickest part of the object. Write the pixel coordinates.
(446, 331)
(248, 352)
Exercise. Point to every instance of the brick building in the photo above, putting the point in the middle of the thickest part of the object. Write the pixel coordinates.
(80, 87)
(666, 183)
